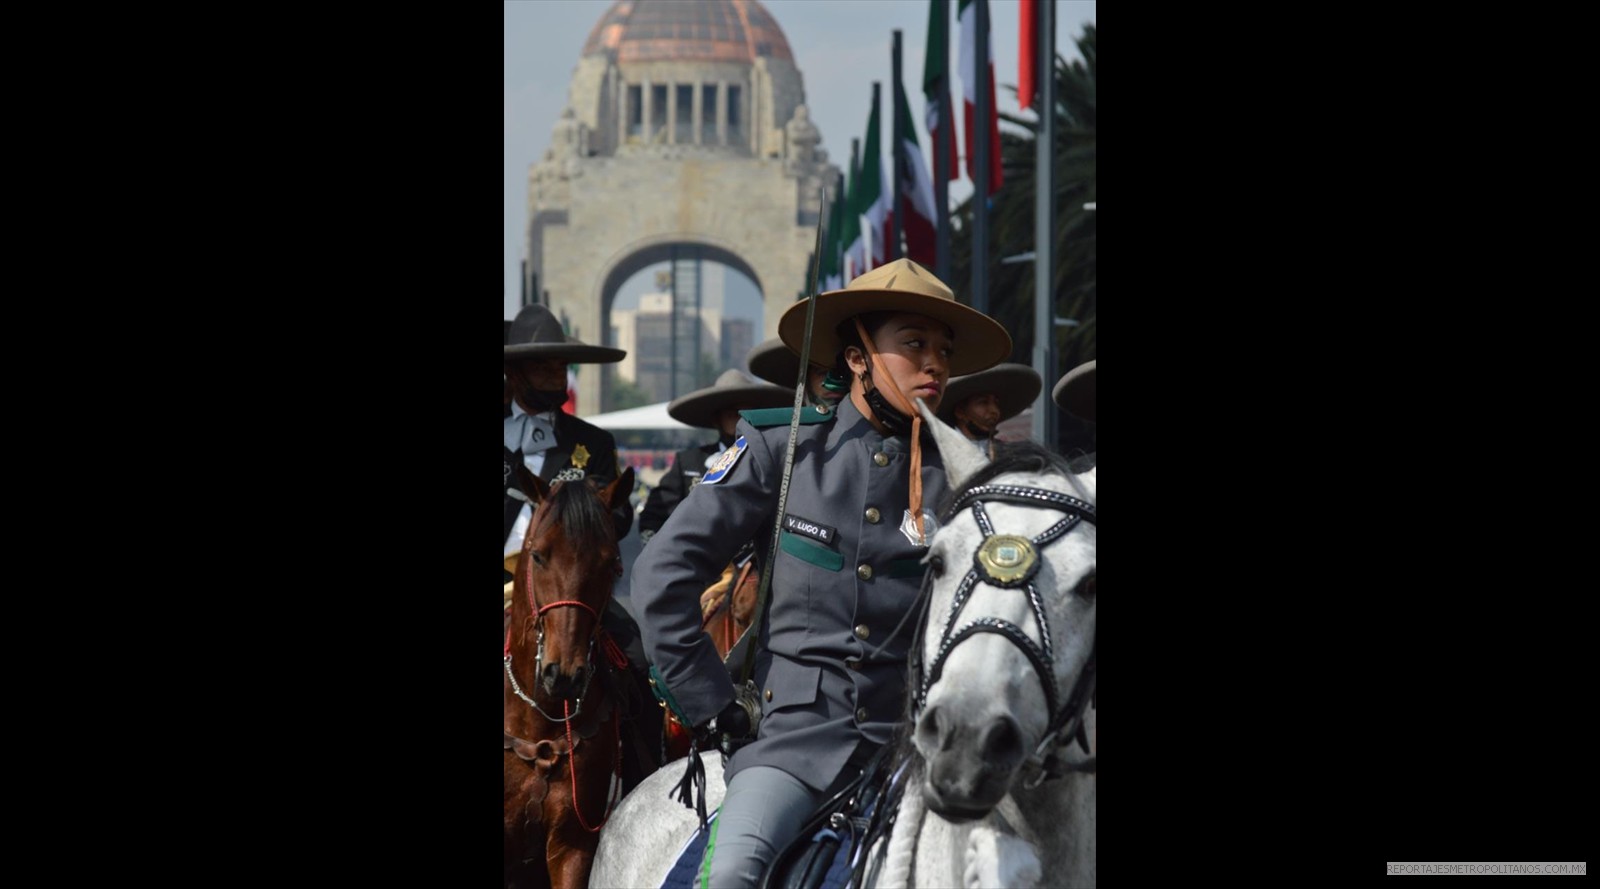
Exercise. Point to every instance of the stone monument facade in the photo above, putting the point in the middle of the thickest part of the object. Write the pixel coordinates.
(685, 131)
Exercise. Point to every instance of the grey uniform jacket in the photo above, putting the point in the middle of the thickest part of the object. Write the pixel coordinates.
(844, 577)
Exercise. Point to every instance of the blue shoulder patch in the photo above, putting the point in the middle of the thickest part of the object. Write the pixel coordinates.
(720, 467)
(779, 416)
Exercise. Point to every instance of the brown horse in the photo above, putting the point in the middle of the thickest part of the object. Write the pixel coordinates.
(563, 705)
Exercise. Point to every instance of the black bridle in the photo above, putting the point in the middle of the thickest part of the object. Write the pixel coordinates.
(1011, 562)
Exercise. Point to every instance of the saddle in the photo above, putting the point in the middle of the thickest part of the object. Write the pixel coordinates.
(830, 850)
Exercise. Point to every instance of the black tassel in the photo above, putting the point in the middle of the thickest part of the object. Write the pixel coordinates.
(691, 790)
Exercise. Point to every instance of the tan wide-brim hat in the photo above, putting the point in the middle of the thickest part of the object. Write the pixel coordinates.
(536, 333)
(1015, 385)
(1075, 392)
(900, 286)
(732, 389)
(775, 362)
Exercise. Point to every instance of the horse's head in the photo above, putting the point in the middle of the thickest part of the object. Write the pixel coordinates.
(1005, 663)
(565, 571)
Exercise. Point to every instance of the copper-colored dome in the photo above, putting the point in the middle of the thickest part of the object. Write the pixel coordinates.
(688, 30)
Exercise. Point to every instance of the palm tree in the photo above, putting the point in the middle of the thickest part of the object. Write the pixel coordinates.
(1011, 230)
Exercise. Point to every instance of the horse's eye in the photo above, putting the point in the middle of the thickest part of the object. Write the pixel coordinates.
(537, 558)
(936, 564)
(1086, 588)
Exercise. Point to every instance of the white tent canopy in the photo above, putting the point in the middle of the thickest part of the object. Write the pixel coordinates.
(650, 416)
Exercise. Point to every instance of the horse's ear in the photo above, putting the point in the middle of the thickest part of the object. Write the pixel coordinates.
(621, 487)
(532, 485)
(962, 458)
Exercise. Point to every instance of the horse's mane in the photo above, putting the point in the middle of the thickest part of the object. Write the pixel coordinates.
(577, 509)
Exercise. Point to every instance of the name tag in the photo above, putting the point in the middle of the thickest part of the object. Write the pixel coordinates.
(807, 528)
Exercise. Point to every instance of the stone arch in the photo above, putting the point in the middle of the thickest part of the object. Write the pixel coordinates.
(655, 250)
(646, 252)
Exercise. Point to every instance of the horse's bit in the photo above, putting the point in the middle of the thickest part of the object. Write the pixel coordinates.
(1011, 562)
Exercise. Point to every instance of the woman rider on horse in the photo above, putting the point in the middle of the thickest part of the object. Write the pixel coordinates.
(859, 515)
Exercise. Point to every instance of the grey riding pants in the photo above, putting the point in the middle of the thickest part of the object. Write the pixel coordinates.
(764, 809)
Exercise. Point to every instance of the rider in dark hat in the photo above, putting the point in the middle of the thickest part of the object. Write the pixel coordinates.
(557, 446)
(715, 407)
(1074, 392)
(775, 362)
(977, 404)
(831, 671)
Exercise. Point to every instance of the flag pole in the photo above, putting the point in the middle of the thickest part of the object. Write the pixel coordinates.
(1044, 225)
(980, 178)
(855, 166)
(896, 137)
(942, 159)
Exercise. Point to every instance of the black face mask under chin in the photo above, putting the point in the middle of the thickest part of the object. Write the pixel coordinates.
(895, 422)
(973, 430)
(540, 400)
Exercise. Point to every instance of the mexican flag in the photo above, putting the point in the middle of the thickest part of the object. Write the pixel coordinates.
(967, 13)
(874, 199)
(916, 188)
(850, 230)
(832, 262)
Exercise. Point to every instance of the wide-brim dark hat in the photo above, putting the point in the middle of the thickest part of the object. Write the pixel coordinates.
(1015, 385)
(1075, 392)
(536, 333)
(733, 388)
(900, 286)
(775, 362)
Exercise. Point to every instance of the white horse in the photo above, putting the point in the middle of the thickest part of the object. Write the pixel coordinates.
(1000, 686)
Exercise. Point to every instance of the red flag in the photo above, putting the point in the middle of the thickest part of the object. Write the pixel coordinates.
(967, 13)
(571, 404)
(1026, 51)
(916, 188)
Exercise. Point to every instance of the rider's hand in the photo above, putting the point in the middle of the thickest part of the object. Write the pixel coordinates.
(733, 721)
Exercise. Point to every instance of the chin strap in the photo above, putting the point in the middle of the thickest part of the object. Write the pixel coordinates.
(898, 399)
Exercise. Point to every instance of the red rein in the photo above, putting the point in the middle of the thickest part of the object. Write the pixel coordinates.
(617, 658)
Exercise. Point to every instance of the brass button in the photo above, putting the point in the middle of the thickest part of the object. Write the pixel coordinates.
(881, 458)
(863, 631)
(861, 715)
(853, 664)
(864, 572)
(769, 694)
(822, 408)
(872, 515)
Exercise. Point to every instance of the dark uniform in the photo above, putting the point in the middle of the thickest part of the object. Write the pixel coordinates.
(581, 451)
(845, 576)
(688, 466)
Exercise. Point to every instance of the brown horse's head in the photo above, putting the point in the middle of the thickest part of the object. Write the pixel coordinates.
(568, 564)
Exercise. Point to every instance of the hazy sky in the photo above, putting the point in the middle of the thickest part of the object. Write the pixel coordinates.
(840, 46)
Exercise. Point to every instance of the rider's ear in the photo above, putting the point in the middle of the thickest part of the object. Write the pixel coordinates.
(855, 359)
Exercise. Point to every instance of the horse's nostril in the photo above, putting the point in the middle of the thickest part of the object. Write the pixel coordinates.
(1001, 744)
(578, 676)
(550, 675)
(931, 730)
